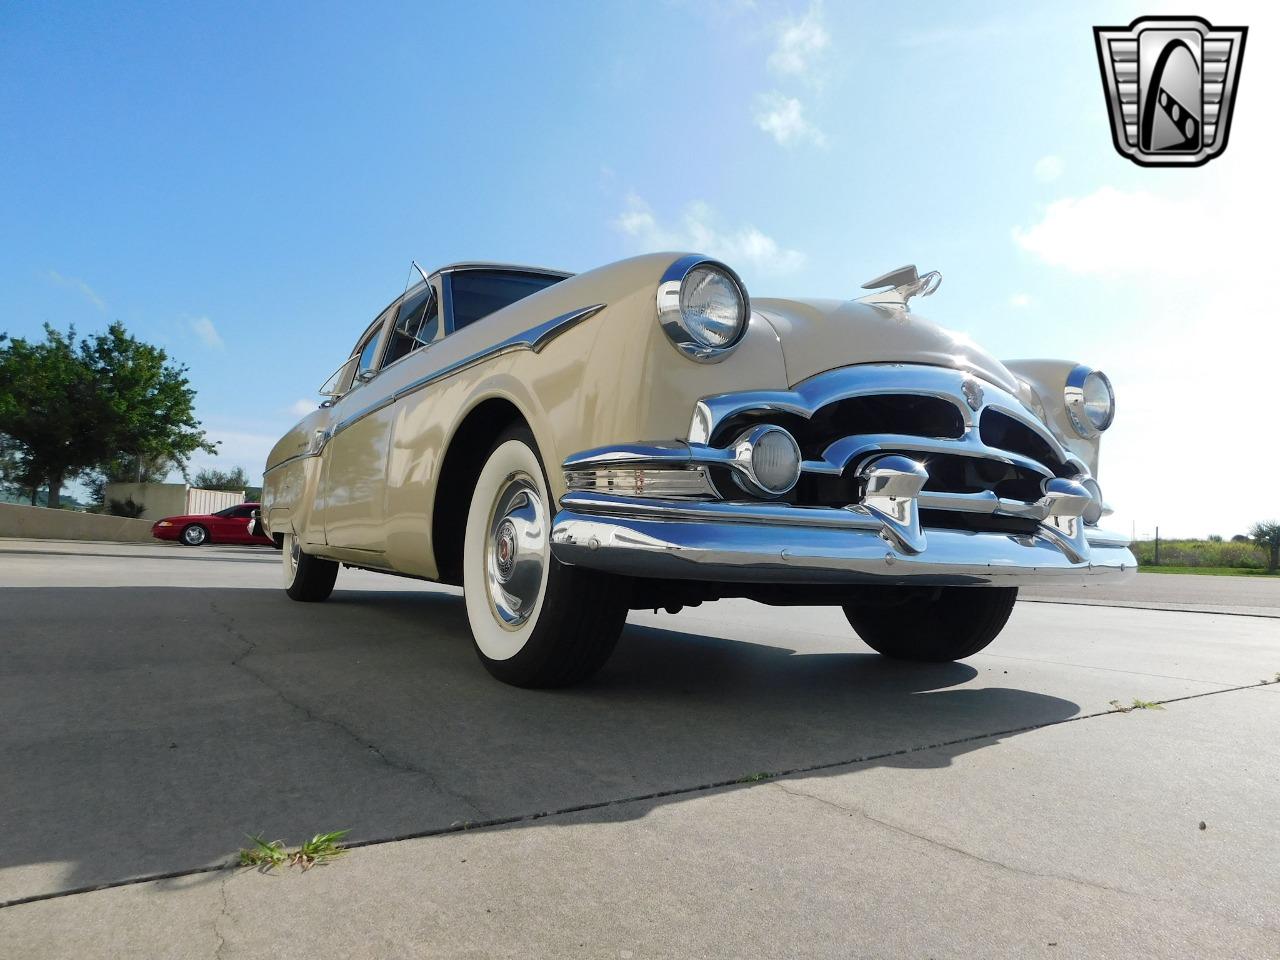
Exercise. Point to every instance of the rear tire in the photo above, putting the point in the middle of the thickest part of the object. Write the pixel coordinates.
(535, 621)
(306, 578)
(956, 624)
(194, 535)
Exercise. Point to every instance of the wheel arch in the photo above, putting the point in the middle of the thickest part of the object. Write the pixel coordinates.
(464, 457)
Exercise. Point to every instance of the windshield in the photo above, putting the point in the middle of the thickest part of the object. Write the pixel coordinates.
(478, 293)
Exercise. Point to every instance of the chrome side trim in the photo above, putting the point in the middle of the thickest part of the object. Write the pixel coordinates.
(534, 339)
(288, 460)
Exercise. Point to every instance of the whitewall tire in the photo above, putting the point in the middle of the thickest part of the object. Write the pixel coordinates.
(535, 621)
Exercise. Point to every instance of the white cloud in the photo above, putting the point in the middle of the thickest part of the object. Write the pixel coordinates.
(1020, 300)
(1049, 168)
(799, 44)
(204, 329)
(782, 117)
(302, 407)
(75, 283)
(698, 232)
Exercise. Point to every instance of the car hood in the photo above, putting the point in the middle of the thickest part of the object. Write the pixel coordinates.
(820, 335)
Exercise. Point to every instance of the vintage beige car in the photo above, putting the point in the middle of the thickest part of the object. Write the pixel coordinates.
(645, 435)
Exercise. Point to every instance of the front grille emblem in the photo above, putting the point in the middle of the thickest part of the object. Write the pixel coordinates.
(972, 391)
(1170, 84)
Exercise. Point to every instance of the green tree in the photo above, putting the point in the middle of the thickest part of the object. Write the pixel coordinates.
(1267, 536)
(77, 405)
(233, 479)
(211, 479)
(17, 474)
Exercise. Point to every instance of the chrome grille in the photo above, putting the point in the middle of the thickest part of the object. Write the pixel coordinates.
(987, 455)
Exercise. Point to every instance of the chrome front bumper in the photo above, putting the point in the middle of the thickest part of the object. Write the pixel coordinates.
(778, 543)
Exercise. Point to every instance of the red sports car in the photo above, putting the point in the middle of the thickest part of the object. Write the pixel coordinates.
(232, 525)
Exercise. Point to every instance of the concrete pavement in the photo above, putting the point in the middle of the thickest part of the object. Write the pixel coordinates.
(162, 702)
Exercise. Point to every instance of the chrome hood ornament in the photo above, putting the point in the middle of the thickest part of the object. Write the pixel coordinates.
(903, 283)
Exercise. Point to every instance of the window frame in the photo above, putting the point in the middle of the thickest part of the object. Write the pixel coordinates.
(378, 331)
(435, 298)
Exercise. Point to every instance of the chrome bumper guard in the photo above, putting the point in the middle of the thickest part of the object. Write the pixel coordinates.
(773, 543)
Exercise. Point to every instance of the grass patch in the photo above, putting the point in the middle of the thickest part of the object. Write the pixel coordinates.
(321, 848)
(756, 777)
(1211, 571)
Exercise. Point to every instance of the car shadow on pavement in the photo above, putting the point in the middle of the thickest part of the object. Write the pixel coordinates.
(150, 729)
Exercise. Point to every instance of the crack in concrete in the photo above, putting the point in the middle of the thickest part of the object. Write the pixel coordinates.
(223, 914)
(227, 622)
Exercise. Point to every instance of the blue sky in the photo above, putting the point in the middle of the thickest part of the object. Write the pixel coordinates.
(246, 186)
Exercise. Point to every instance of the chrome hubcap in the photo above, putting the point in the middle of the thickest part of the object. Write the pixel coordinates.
(516, 551)
(294, 552)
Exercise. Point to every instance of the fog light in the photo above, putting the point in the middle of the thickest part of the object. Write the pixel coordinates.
(1093, 512)
(770, 458)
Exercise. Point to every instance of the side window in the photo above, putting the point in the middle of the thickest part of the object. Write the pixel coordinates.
(416, 325)
(367, 351)
(244, 511)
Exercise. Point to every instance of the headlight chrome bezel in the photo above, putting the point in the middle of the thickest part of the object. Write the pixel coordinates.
(672, 318)
(1074, 397)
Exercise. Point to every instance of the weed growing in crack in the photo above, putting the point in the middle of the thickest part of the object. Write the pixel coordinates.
(263, 854)
(321, 848)
(1118, 707)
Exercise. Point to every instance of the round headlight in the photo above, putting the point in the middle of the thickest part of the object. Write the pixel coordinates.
(713, 307)
(1091, 402)
(703, 308)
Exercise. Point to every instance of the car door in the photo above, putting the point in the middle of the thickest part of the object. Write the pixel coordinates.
(355, 456)
(233, 524)
(221, 525)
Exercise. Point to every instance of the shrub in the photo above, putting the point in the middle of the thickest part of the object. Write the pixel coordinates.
(1201, 553)
(126, 508)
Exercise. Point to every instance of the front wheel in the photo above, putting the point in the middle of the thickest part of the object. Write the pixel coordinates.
(194, 535)
(955, 624)
(535, 621)
(306, 578)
